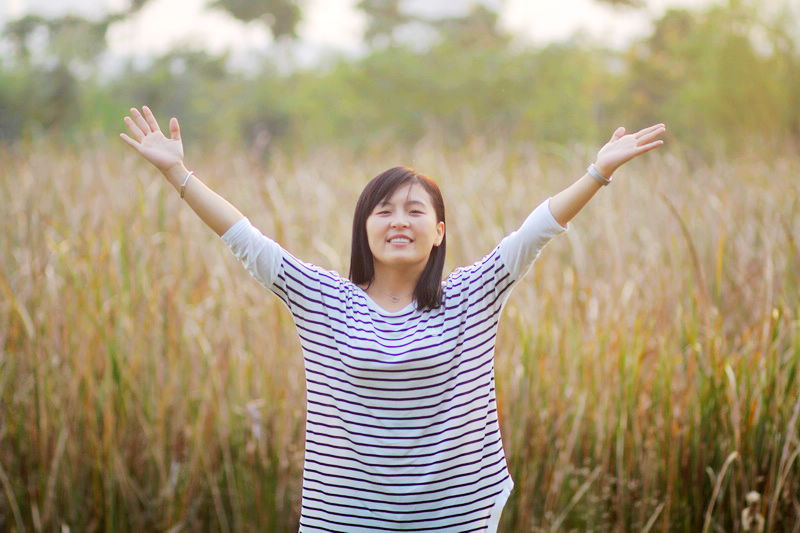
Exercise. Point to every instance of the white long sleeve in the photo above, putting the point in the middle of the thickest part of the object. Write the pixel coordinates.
(520, 248)
(260, 255)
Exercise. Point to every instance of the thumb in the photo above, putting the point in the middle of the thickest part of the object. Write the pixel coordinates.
(619, 132)
(174, 129)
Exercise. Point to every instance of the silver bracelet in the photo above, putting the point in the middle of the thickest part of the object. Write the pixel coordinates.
(185, 181)
(593, 172)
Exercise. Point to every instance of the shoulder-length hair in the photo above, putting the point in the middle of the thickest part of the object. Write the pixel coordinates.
(428, 292)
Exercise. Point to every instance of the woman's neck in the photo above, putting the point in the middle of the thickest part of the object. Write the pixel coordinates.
(393, 285)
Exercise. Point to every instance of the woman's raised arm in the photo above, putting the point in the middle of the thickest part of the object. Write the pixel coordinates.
(166, 154)
(616, 152)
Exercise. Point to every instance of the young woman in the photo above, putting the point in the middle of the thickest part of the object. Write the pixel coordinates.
(401, 428)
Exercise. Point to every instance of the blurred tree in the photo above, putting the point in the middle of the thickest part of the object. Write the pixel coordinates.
(53, 95)
(12, 116)
(69, 37)
(70, 40)
(383, 17)
(189, 84)
(45, 80)
(478, 26)
(626, 3)
(136, 5)
(702, 72)
(716, 75)
(280, 16)
(558, 94)
(49, 56)
(18, 32)
(783, 33)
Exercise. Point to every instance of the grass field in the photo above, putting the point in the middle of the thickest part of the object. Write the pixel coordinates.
(646, 366)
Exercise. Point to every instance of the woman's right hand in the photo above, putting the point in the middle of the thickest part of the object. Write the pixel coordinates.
(148, 140)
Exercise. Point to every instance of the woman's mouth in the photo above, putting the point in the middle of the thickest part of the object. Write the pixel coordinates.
(400, 240)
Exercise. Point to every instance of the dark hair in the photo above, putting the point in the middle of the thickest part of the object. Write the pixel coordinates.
(428, 292)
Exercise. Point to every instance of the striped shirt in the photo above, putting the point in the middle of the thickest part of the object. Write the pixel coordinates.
(401, 428)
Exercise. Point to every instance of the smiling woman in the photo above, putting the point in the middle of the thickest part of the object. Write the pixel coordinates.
(399, 240)
(402, 430)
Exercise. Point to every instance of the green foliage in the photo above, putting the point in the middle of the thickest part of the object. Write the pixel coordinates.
(717, 76)
(400, 93)
(12, 118)
(281, 16)
(383, 16)
(480, 25)
(627, 3)
(69, 39)
(701, 73)
(38, 101)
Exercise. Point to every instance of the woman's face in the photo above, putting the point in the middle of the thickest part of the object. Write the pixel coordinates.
(403, 229)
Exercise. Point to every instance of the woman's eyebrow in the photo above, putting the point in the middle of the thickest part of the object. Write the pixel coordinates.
(407, 202)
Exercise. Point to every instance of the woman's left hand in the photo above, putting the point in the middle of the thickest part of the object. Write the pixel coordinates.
(622, 148)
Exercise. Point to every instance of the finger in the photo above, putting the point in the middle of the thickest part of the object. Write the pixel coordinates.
(151, 119)
(648, 147)
(641, 133)
(140, 121)
(619, 132)
(648, 137)
(133, 128)
(644, 139)
(174, 129)
(129, 141)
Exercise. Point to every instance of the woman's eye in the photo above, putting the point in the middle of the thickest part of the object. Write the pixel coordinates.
(417, 212)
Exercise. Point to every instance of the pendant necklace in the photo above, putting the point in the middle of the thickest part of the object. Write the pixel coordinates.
(395, 299)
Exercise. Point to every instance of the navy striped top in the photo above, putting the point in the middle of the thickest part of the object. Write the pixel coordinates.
(401, 429)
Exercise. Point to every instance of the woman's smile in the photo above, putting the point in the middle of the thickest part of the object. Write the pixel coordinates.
(403, 228)
(400, 241)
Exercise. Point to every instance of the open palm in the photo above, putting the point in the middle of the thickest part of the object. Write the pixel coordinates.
(622, 148)
(147, 139)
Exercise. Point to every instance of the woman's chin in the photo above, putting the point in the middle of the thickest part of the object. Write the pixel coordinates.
(401, 259)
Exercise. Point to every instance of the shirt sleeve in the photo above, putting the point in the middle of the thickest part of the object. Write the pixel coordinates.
(260, 255)
(303, 287)
(485, 285)
(520, 248)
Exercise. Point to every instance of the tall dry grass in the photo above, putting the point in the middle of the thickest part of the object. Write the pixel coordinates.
(646, 366)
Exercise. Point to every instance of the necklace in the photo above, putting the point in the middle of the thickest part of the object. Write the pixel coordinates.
(394, 298)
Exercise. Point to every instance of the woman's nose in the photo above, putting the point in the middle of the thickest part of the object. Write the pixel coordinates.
(399, 221)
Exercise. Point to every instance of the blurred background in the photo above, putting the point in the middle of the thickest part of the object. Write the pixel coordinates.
(646, 368)
(345, 71)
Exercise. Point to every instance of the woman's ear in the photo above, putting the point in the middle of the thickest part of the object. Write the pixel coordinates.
(439, 233)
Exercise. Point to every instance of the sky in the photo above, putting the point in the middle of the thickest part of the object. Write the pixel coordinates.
(337, 25)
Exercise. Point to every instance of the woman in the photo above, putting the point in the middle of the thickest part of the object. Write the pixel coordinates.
(401, 430)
